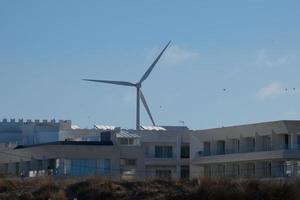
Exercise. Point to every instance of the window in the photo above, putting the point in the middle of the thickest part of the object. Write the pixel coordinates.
(80, 167)
(288, 168)
(250, 142)
(105, 136)
(104, 168)
(298, 141)
(286, 141)
(163, 151)
(267, 167)
(234, 170)
(163, 173)
(206, 149)
(185, 151)
(266, 143)
(84, 167)
(130, 141)
(220, 170)
(184, 172)
(250, 170)
(235, 146)
(220, 147)
(128, 162)
(126, 141)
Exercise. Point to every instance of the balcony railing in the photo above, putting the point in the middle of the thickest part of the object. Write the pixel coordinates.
(260, 149)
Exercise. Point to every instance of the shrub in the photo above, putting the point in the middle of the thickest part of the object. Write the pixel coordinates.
(7, 185)
(197, 189)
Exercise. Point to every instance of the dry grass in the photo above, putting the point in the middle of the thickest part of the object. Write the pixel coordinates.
(97, 188)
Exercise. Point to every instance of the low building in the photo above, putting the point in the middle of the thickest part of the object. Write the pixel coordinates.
(104, 150)
(262, 150)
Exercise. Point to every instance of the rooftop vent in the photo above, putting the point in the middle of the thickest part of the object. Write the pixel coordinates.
(153, 128)
(75, 127)
(103, 127)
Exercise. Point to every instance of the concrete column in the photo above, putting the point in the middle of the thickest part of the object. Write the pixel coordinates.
(213, 148)
(228, 146)
(257, 142)
(178, 154)
(272, 141)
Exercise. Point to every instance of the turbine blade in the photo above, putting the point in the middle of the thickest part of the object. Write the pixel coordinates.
(146, 107)
(145, 76)
(124, 83)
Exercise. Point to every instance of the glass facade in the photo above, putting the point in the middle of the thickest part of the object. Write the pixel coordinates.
(106, 136)
(184, 172)
(163, 151)
(163, 173)
(206, 151)
(85, 167)
(220, 147)
(185, 151)
(126, 141)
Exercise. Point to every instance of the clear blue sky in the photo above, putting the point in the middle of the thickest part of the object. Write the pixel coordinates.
(251, 48)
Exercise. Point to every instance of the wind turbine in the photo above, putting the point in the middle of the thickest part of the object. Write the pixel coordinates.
(138, 86)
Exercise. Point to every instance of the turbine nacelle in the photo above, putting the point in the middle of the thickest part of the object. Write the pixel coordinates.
(138, 86)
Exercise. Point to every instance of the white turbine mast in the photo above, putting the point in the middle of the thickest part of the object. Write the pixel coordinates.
(138, 86)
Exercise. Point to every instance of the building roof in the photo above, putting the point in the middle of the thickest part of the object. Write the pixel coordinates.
(125, 134)
(104, 127)
(75, 126)
(248, 130)
(85, 143)
(153, 128)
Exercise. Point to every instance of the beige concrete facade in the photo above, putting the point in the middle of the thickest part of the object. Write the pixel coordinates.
(262, 150)
(131, 154)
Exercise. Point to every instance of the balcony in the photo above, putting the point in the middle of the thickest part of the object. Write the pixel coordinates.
(249, 150)
(284, 152)
(160, 161)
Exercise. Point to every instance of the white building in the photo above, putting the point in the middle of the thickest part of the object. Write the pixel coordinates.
(262, 150)
(66, 150)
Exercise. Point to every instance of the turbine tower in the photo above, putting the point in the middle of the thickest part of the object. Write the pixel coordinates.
(138, 86)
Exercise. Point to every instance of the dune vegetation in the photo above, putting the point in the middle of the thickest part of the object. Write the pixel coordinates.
(197, 189)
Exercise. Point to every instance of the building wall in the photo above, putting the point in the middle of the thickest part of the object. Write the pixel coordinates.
(260, 150)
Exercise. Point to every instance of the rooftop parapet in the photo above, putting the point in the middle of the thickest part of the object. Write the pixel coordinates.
(64, 124)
